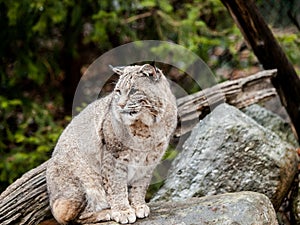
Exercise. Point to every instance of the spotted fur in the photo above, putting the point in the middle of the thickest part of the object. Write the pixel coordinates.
(103, 162)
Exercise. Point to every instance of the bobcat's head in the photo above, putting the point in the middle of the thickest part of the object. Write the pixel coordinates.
(140, 94)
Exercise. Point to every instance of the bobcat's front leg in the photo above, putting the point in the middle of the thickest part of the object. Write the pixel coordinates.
(137, 193)
(117, 192)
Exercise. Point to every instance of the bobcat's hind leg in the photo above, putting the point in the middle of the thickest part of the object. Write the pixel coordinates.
(66, 210)
(66, 197)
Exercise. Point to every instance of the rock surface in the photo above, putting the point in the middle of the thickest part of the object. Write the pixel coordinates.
(272, 122)
(296, 203)
(283, 129)
(229, 152)
(242, 208)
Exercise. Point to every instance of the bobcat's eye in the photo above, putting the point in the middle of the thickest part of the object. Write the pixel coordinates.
(148, 74)
(133, 91)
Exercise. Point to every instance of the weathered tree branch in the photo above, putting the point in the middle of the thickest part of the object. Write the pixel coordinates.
(26, 200)
(240, 93)
(269, 53)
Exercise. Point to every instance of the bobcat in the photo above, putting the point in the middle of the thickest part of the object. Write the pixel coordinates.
(103, 162)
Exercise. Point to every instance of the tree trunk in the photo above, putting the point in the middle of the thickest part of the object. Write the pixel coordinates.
(25, 202)
(269, 53)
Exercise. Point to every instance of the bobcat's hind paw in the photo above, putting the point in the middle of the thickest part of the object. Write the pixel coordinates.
(123, 216)
(94, 217)
(142, 211)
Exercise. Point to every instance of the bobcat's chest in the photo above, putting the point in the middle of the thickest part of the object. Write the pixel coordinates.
(140, 130)
(143, 161)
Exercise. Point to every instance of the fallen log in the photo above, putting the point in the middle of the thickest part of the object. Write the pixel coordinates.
(25, 202)
(239, 93)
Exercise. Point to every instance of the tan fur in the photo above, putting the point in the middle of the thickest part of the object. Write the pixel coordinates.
(103, 162)
(65, 210)
(140, 129)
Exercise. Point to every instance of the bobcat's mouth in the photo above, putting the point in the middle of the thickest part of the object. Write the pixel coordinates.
(130, 112)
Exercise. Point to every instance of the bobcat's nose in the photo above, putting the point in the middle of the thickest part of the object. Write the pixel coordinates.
(122, 102)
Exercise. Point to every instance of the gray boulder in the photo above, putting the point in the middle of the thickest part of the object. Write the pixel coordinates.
(272, 122)
(229, 152)
(296, 203)
(242, 208)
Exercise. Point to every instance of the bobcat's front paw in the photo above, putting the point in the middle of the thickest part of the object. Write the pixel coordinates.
(142, 211)
(123, 216)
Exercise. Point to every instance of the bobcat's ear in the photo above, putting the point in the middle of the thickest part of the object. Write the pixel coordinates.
(118, 69)
(150, 71)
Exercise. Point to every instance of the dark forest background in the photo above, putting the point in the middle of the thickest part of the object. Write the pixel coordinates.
(46, 46)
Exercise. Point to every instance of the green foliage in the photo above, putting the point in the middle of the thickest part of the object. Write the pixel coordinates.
(28, 134)
(291, 44)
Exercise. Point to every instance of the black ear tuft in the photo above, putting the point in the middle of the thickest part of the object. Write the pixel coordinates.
(153, 63)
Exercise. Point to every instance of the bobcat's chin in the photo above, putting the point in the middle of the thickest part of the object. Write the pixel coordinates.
(145, 118)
